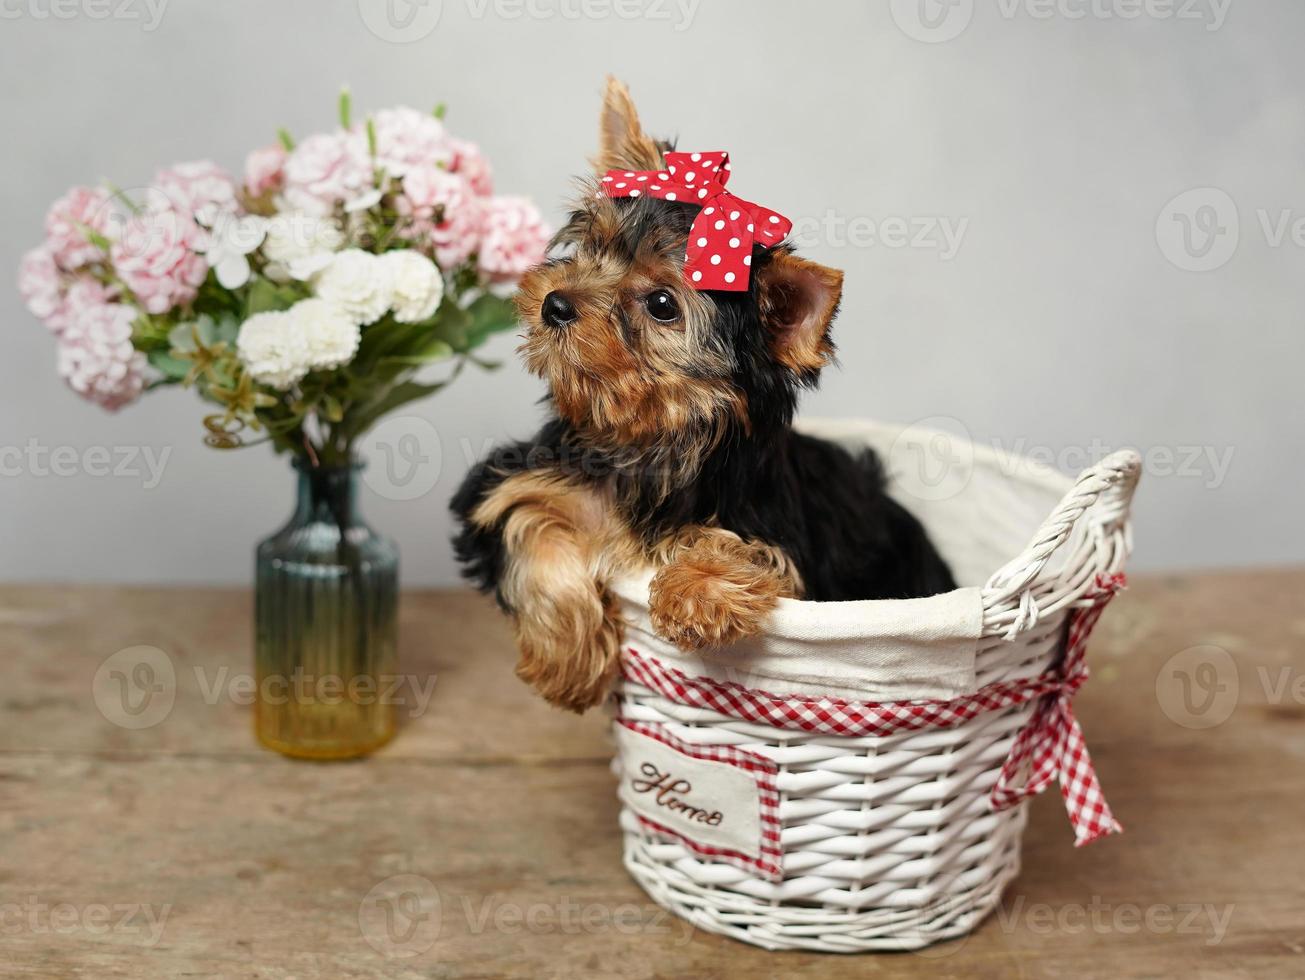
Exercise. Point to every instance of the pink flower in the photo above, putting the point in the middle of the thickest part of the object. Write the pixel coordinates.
(40, 284)
(445, 211)
(66, 223)
(265, 170)
(156, 258)
(97, 359)
(54, 297)
(327, 169)
(515, 238)
(81, 299)
(407, 139)
(471, 163)
(194, 187)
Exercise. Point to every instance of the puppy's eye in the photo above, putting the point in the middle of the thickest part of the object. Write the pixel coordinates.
(662, 307)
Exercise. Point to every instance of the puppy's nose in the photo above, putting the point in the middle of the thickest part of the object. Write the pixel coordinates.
(557, 310)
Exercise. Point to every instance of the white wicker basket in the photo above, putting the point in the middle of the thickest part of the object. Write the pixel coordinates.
(797, 835)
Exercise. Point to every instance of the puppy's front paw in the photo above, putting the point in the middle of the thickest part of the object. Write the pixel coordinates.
(570, 649)
(704, 605)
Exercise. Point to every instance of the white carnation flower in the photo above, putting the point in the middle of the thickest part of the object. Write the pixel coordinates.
(358, 283)
(329, 335)
(273, 349)
(299, 245)
(416, 285)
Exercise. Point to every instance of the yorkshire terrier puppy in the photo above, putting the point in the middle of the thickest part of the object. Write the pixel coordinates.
(669, 443)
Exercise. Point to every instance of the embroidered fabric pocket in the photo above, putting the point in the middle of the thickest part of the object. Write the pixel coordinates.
(720, 802)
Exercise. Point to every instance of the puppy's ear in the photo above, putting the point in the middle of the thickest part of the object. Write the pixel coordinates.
(622, 143)
(798, 300)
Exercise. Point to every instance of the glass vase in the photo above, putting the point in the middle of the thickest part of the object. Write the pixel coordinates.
(326, 602)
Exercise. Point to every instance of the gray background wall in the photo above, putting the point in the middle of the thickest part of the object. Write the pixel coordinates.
(1051, 139)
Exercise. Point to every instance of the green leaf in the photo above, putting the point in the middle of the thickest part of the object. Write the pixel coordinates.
(172, 368)
(266, 296)
(385, 338)
(363, 417)
(182, 336)
(434, 350)
(218, 301)
(439, 110)
(490, 314)
(227, 329)
(287, 141)
(280, 426)
(149, 332)
(454, 326)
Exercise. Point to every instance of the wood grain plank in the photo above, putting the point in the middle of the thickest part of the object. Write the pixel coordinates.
(503, 809)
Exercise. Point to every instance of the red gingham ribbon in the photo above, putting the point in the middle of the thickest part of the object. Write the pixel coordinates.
(1052, 738)
(719, 252)
(1051, 745)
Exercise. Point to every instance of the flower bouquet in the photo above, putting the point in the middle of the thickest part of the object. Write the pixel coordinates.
(303, 303)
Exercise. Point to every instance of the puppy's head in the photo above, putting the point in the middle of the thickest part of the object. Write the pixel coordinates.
(634, 354)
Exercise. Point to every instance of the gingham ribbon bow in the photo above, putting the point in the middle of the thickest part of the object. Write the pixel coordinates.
(720, 242)
(1051, 745)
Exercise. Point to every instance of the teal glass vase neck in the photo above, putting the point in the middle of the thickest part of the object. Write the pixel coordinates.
(327, 495)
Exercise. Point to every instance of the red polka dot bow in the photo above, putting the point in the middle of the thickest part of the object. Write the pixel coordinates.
(723, 233)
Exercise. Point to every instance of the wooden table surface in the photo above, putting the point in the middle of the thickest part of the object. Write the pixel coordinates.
(179, 848)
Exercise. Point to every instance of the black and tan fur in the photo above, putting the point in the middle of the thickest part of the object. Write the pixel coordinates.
(670, 446)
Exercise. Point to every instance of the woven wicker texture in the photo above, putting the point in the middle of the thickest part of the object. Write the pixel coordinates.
(891, 842)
